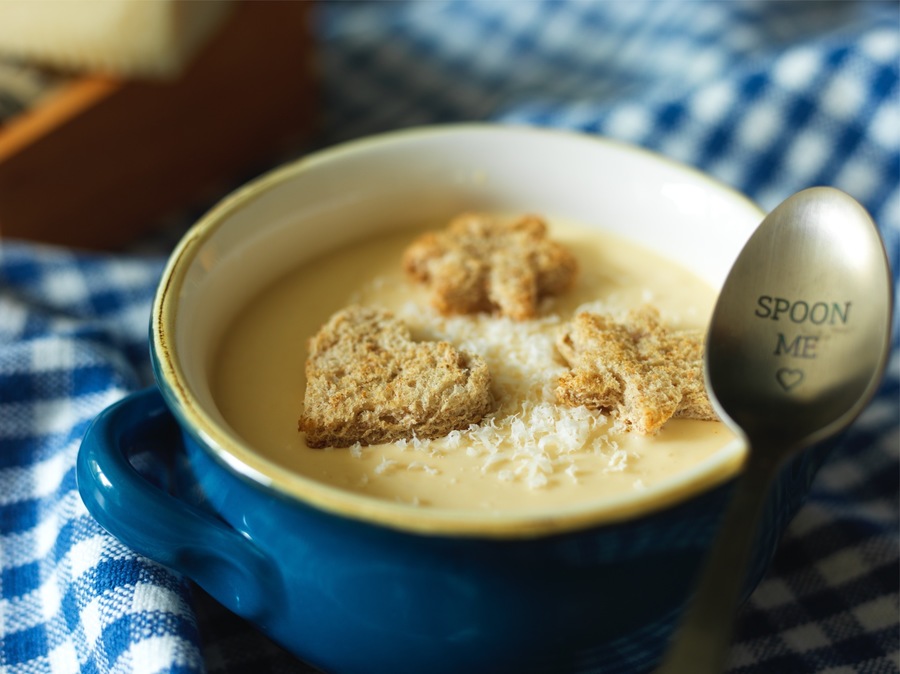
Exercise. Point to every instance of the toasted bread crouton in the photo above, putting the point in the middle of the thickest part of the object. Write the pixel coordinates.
(484, 264)
(368, 382)
(640, 370)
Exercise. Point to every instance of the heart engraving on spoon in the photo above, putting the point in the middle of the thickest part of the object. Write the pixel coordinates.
(788, 378)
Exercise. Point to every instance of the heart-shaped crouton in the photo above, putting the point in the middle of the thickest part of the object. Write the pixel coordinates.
(368, 382)
(484, 264)
(638, 368)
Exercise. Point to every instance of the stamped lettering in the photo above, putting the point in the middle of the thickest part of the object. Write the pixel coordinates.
(802, 311)
(801, 318)
(802, 346)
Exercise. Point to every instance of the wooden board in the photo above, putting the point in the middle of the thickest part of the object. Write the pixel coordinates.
(104, 159)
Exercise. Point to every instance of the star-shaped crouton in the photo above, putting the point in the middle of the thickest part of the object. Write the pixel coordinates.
(484, 264)
(642, 371)
(369, 382)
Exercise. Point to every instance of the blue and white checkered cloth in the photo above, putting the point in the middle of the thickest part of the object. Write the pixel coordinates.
(770, 97)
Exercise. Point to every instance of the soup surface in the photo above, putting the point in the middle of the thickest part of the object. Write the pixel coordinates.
(527, 455)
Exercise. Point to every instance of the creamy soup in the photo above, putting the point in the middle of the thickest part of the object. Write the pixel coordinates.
(530, 453)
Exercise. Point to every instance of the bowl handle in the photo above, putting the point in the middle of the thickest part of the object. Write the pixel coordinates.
(223, 561)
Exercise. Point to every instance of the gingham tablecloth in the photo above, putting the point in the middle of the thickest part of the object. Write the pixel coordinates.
(770, 97)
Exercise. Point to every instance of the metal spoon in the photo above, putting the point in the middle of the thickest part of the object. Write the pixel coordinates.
(797, 345)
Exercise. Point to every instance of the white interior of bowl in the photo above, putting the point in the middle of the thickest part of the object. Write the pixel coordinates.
(423, 175)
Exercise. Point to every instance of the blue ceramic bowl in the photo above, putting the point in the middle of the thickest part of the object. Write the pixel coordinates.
(358, 585)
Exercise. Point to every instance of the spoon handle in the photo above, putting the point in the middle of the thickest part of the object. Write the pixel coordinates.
(702, 642)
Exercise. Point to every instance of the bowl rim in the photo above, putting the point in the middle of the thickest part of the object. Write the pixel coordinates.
(240, 459)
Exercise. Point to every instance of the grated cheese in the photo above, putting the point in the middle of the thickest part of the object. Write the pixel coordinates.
(385, 465)
(526, 436)
(424, 467)
(529, 438)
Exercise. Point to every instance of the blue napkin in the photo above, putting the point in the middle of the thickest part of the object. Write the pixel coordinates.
(770, 97)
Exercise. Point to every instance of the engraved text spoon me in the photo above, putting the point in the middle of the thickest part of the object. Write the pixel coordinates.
(797, 345)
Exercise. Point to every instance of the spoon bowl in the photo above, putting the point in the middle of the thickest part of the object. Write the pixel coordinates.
(797, 345)
(799, 336)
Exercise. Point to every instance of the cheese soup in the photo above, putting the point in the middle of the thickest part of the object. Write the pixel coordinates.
(530, 453)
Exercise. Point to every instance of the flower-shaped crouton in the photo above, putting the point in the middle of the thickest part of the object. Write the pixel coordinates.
(640, 370)
(484, 264)
(368, 382)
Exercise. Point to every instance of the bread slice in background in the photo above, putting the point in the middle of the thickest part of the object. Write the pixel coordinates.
(132, 38)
